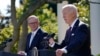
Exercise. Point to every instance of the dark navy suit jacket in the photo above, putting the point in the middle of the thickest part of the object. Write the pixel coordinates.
(77, 43)
(36, 42)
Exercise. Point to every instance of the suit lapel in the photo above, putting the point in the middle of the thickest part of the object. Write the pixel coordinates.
(75, 26)
(28, 41)
(73, 30)
(36, 37)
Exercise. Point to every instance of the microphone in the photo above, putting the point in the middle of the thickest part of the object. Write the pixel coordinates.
(45, 34)
(6, 41)
(49, 36)
(3, 44)
(45, 42)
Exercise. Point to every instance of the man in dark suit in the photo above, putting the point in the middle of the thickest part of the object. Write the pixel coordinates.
(77, 38)
(35, 37)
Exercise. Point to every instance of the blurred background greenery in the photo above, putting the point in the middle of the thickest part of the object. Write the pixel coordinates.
(47, 14)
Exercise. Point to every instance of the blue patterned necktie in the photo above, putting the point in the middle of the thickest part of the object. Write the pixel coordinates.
(68, 32)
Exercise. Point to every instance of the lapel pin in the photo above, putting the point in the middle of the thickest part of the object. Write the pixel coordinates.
(73, 34)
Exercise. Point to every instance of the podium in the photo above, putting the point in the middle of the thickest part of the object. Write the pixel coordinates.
(47, 52)
(7, 54)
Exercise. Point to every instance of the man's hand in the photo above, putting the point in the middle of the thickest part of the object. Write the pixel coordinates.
(59, 52)
(22, 53)
(51, 41)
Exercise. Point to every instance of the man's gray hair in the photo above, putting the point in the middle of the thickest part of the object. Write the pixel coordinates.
(72, 7)
(33, 16)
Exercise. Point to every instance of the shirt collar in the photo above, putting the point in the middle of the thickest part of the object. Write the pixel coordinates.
(72, 25)
(34, 32)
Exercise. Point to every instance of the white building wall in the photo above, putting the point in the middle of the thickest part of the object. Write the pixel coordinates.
(95, 26)
(61, 23)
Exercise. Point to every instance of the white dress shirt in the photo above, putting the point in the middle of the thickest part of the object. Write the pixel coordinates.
(32, 35)
(72, 25)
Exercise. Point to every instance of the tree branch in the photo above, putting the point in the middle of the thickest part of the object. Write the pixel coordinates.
(33, 6)
(13, 13)
(36, 4)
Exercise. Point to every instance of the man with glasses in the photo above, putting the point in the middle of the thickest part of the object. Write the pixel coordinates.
(35, 37)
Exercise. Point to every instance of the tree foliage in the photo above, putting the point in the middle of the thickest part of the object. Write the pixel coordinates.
(48, 19)
(6, 33)
(83, 10)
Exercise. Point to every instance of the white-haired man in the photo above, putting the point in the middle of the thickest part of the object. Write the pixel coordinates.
(35, 37)
(77, 38)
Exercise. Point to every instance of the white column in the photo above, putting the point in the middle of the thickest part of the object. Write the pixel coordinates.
(61, 23)
(95, 26)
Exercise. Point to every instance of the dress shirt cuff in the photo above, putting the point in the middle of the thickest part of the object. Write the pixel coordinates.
(64, 50)
(52, 45)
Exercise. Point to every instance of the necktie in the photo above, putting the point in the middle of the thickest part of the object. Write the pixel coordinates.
(32, 36)
(68, 32)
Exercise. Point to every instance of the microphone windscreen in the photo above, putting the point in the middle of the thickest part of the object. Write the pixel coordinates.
(53, 34)
(9, 40)
(45, 34)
